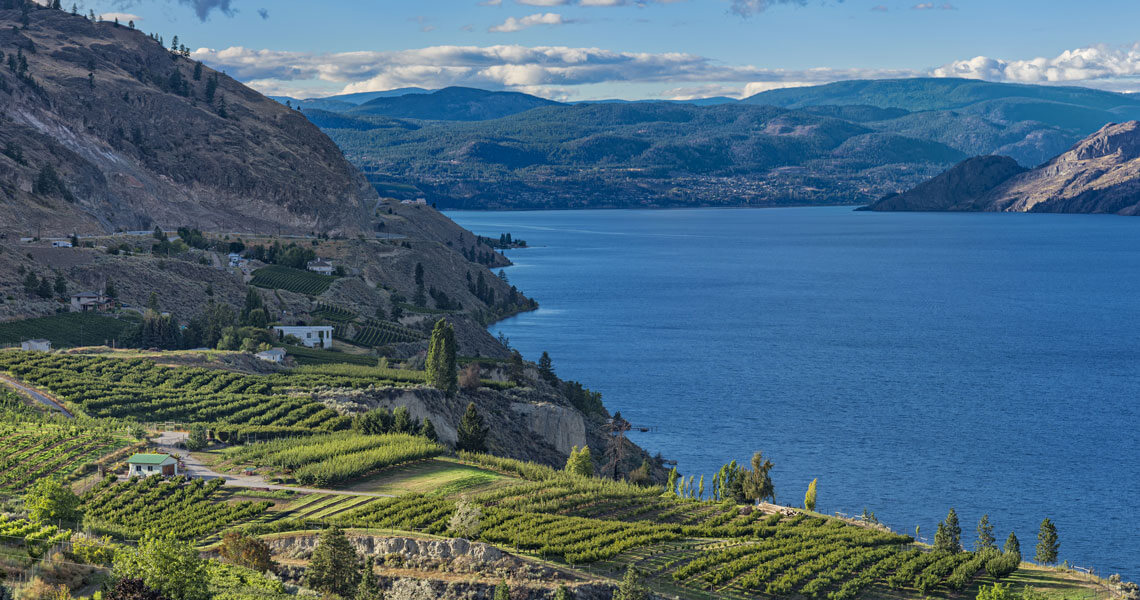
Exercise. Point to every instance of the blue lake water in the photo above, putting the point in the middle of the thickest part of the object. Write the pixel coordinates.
(911, 362)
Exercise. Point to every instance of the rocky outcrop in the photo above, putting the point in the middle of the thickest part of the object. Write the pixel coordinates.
(413, 552)
(1100, 174)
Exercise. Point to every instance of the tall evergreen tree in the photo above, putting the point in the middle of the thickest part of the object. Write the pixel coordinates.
(472, 435)
(986, 539)
(1012, 545)
(369, 588)
(954, 530)
(942, 541)
(427, 429)
(334, 566)
(502, 591)
(757, 484)
(1047, 543)
(631, 587)
(441, 363)
(546, 368)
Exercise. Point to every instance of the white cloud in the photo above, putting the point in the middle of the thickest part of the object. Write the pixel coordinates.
(548, 70)
(513, 24)
(121, 16)
(1102, 65)
(933, 6)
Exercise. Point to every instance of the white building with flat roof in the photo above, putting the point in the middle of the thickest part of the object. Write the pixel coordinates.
(36, 345)
(312, 336)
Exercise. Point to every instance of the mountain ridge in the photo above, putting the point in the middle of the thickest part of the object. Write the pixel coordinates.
(1099, 174)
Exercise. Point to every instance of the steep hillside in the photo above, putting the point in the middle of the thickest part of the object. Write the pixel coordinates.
(1100, 174)
(452, 104)
(103, 128)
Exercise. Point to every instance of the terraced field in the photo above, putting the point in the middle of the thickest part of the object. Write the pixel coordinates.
(293, 280)
(32, 451)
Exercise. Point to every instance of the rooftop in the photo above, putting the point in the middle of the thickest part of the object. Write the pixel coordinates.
(148, 459)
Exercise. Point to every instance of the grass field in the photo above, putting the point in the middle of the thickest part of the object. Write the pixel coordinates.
(66, 329)
(436, 476)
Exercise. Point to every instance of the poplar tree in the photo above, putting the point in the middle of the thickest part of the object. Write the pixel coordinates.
(441, 364)
(1047, 543)
(809, 497)
(986, 539)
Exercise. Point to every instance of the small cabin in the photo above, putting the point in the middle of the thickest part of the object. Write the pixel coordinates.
(321, 266)
(61, 244)
(276, 355)
(145, 465)
(36, 345)
(311, 336)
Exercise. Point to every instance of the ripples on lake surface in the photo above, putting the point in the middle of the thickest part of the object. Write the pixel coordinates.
(910, 361)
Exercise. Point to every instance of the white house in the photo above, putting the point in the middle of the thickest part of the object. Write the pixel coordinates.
(276, 355)
(145, 465)
(321, 266)
(36, 346)
(59, 244)
(312, 336)
(84, 301)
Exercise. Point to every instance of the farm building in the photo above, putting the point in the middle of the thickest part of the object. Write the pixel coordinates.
(59, 244)
(312, 336)
(321, 266)
(276, 355)
(145, 465)
(84, 301)
(36, 345)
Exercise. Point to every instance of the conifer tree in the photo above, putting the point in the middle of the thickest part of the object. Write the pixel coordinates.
(942, 542)
(809, 497)
(631, 587)
(333, 567)
(546, 368)
(427, 429)
(1047, 543)
(986, 539)
(441, 366)
(954, 530)
(471, 435)
(369, 588)
(502, 591)
(1012, 545)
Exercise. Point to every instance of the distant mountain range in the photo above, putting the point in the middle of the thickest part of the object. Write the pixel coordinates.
(848, 142)
(1099, 174)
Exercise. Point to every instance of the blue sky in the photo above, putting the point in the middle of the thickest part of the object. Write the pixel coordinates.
(588, 49)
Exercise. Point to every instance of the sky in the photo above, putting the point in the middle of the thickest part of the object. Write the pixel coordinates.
(642, 49)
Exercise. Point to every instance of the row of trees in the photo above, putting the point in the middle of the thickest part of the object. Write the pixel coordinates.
(948, 538)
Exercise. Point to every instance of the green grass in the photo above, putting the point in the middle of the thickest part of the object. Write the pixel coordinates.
(66, 329)
(293, 280)
(439, 476)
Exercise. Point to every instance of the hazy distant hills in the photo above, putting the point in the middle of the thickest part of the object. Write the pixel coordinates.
(1099, 174)
(846, 142)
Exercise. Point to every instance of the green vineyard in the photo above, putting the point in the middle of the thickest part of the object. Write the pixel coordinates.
(176, 507)
(67, 329)
(293, 280)
(325, 460)
(32, 451)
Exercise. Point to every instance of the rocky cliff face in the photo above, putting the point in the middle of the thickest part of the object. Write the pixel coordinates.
(103, 128)
(1100, 174)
